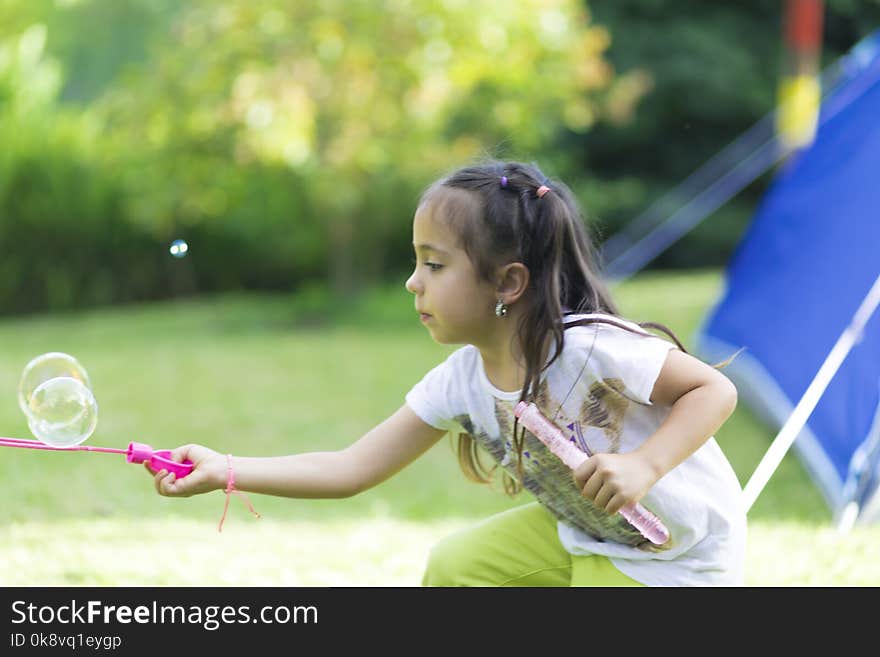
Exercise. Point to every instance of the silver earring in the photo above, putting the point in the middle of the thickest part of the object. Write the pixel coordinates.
(500, 308)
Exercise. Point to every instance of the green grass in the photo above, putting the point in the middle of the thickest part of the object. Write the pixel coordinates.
(275, 374)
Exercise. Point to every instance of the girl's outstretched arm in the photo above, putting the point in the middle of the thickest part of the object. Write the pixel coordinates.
(701, 399)
(380, 453)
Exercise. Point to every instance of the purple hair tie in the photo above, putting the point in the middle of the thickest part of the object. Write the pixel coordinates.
(504, 181)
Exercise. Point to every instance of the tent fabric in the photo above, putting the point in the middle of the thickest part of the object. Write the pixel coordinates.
(797, 277)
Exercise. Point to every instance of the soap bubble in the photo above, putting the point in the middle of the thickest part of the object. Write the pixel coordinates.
(178, 248)
(45, 367)
(62, 412)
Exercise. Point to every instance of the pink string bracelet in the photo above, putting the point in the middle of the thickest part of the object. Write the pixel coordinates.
(230, 489)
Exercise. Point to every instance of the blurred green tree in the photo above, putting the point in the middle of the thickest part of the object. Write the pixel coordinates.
(713, 69)
(288, 141)
(63, 233)
(361, 103)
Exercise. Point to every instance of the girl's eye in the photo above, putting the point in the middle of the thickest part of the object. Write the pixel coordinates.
(433, 266)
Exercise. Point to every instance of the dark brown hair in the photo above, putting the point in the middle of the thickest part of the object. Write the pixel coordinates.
(501, 219)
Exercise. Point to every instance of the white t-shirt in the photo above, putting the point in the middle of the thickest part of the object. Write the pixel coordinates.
(598, 391)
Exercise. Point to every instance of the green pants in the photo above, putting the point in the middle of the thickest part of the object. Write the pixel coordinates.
(518, 547)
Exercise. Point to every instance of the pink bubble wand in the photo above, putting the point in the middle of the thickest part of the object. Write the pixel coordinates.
(649, 525)
(135, 453)
(156, 460)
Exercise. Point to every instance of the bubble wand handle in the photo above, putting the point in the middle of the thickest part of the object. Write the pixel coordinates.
(157, 460)
(649, 525)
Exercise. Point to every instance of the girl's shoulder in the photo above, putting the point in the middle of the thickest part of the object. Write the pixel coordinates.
(582, 324)
(611, 336)
(464, 359)
(618, 349)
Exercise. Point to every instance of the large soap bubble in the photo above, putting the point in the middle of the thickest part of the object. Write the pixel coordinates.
(44, 367)
(62, 412)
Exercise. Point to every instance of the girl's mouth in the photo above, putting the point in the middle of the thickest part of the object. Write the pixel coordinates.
(424, 317)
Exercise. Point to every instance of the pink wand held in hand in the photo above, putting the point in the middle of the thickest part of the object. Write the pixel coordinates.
(649, 525)
(136, 453)
(157, 460)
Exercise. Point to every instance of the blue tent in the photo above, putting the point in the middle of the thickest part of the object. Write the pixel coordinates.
(802, 270)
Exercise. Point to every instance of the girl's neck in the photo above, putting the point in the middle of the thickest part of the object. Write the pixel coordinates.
(505, 374)
(504, 362)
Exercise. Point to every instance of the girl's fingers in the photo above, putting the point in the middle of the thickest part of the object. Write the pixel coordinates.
(165, 481)
(583, 473)
(616, 504)
(180, 454)
(592, 487)
(157, 480)
(603, 496)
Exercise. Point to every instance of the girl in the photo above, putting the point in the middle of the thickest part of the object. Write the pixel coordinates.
(504, 266)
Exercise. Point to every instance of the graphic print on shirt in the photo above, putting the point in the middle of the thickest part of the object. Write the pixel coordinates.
(547, 477)
(604, 408)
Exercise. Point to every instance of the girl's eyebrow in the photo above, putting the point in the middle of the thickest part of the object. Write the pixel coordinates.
(429, 247)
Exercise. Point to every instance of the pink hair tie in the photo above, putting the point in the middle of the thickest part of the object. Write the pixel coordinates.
(543, 189)
(230, 489)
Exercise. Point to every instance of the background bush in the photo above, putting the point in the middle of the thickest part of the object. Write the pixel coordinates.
(287, 142)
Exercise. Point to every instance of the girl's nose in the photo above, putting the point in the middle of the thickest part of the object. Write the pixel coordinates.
(412, 284)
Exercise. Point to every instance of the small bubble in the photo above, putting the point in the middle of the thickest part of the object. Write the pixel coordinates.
(178, 248)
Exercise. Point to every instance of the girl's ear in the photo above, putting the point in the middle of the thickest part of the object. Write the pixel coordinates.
(513, 280)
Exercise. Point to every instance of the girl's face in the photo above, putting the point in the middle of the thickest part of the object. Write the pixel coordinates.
(453, 302)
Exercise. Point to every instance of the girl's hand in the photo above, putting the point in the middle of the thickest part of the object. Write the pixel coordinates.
(612, 481)
(208, 473)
